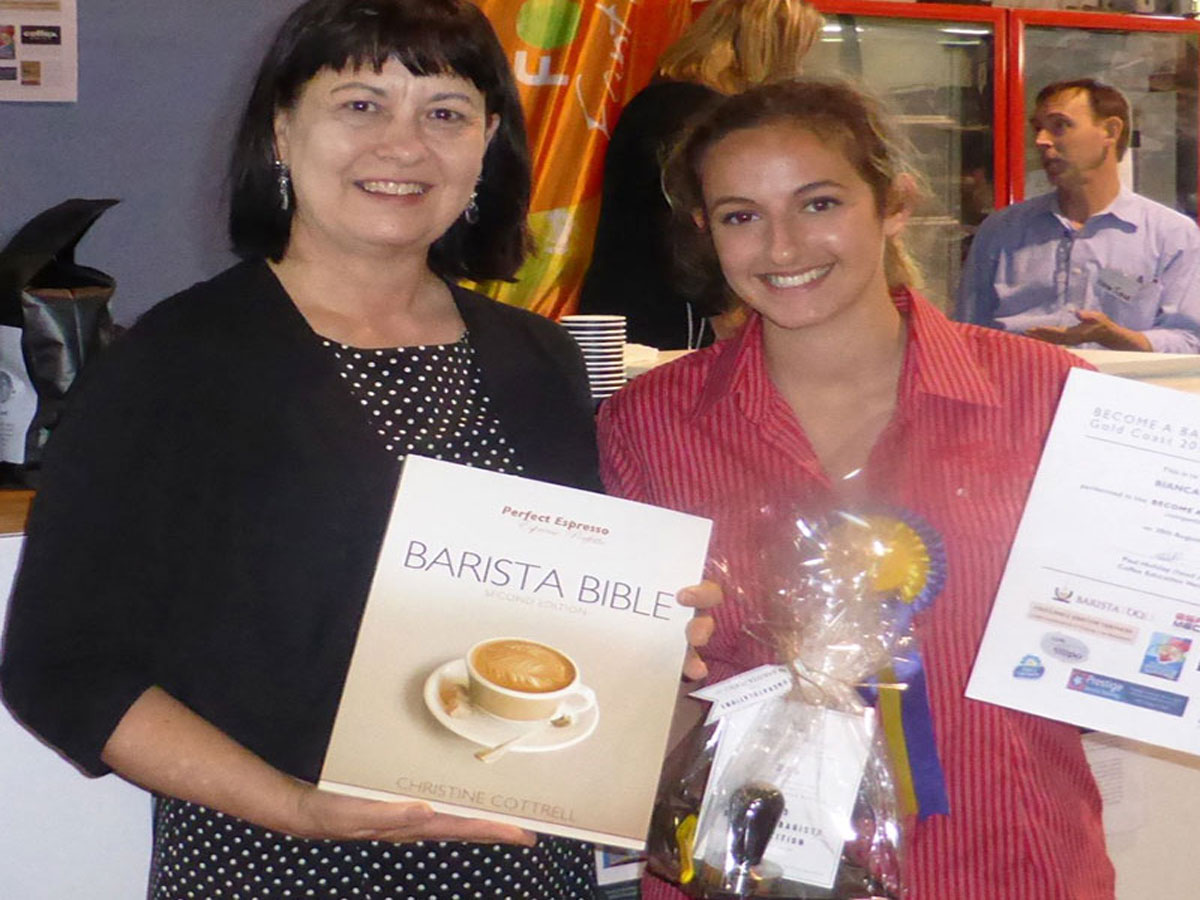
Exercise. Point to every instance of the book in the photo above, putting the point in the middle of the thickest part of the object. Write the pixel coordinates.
(519, 655)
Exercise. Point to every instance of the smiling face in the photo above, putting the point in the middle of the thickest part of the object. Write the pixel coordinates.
(1072, 142)
(381, 161)
(796, 228)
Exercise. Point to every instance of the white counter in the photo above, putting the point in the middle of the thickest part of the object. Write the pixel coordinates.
(63, 835)
(1174, 370)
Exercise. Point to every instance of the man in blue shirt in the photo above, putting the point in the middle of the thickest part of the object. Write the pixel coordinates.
(1091, 264)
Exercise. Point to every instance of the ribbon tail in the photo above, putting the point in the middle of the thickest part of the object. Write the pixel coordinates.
(891, 720)
(928, 781)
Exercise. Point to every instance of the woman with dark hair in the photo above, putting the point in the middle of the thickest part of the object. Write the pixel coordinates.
(489, 240)
(198, 559)
(847, 390)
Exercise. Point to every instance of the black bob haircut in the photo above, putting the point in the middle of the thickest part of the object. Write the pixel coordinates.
(429, 37)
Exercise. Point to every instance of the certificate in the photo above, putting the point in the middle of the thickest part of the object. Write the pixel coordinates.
(1097, 620)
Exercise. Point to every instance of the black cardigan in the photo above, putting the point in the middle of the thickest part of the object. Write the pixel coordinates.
(212, 506)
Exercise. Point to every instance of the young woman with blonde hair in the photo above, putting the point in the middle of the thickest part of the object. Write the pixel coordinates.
(736, 44)
(733, 45)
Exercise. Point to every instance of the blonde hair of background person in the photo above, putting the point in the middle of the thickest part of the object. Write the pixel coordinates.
(732, 45)
(736, 44)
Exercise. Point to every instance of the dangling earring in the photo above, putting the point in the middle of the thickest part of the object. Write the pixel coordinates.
(283, 182)
(471, 213)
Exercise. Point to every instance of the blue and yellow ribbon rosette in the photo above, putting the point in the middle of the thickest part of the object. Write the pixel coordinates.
(904, 560)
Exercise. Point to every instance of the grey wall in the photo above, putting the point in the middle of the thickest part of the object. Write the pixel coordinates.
(161, 84)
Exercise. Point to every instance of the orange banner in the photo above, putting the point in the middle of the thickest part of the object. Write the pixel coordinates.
(577, 64)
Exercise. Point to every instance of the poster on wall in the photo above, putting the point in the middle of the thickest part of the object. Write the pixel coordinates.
(39, 59)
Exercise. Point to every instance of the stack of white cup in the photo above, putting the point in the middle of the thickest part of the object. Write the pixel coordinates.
(602, 340)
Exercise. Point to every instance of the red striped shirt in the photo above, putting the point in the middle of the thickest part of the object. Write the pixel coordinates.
(710, 435)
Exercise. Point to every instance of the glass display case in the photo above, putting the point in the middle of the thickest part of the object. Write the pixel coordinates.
(963, 80)
(1152, 60)
(938, 67)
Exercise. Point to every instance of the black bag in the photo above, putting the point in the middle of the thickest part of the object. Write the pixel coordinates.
(61, 308)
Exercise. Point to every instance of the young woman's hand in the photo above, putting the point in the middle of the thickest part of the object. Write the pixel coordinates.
(701, 597)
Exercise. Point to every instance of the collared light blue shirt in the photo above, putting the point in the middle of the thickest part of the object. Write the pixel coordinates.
(1137, 261)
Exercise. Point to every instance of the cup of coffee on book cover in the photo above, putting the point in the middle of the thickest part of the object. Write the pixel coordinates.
(526, 681)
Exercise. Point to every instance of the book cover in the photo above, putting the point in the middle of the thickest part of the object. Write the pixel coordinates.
(519, 654)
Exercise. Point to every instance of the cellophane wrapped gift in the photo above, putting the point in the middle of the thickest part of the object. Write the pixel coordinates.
(804, 794)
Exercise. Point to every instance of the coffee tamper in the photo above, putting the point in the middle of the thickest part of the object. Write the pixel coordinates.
(754, 811)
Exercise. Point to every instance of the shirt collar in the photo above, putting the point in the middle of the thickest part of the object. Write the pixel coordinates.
(938, 362)
(1124, 208)
(738, 374)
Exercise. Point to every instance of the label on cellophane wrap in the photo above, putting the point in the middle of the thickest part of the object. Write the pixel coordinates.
(820, 783)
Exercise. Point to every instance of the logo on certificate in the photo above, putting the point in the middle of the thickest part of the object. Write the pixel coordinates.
(1186, 621)
(1110, 688)
(1165, 656)
(1063, 646)
(1030, 668)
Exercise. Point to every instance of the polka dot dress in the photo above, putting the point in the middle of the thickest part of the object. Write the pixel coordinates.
(205, 855)
(425, 400)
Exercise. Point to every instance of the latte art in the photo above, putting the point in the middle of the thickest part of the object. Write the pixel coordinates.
(523, 666)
